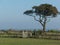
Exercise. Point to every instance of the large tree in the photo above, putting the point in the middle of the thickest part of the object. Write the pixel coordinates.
(43, 12)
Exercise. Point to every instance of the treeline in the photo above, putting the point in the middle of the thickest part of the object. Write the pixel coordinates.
(49, 34)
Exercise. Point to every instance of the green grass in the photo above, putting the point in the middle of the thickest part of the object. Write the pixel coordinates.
(21, 41)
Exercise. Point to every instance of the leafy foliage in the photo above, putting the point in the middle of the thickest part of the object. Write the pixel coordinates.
(44, 11)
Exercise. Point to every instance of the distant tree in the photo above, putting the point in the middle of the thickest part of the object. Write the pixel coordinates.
(42, 13)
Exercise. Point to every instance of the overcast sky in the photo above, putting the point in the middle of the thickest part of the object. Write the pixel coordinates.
(11, 14)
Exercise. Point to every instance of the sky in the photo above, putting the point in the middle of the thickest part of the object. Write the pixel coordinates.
(12, 17)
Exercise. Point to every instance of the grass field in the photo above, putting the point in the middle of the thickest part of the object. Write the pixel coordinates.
(21, 41)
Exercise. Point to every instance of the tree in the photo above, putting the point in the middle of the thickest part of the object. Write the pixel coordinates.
(44, 13)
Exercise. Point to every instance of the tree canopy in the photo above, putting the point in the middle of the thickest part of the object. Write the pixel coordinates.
(44, 11)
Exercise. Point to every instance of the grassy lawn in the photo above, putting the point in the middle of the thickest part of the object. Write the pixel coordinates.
(19, 41)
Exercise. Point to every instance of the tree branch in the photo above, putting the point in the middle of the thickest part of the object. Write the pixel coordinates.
(41, 23)
(48, 20)
(35, 18)
(40, 20)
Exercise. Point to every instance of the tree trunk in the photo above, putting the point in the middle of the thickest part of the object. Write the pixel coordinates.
(44, 25)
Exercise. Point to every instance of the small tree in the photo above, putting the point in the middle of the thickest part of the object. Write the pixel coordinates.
(43, 11)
